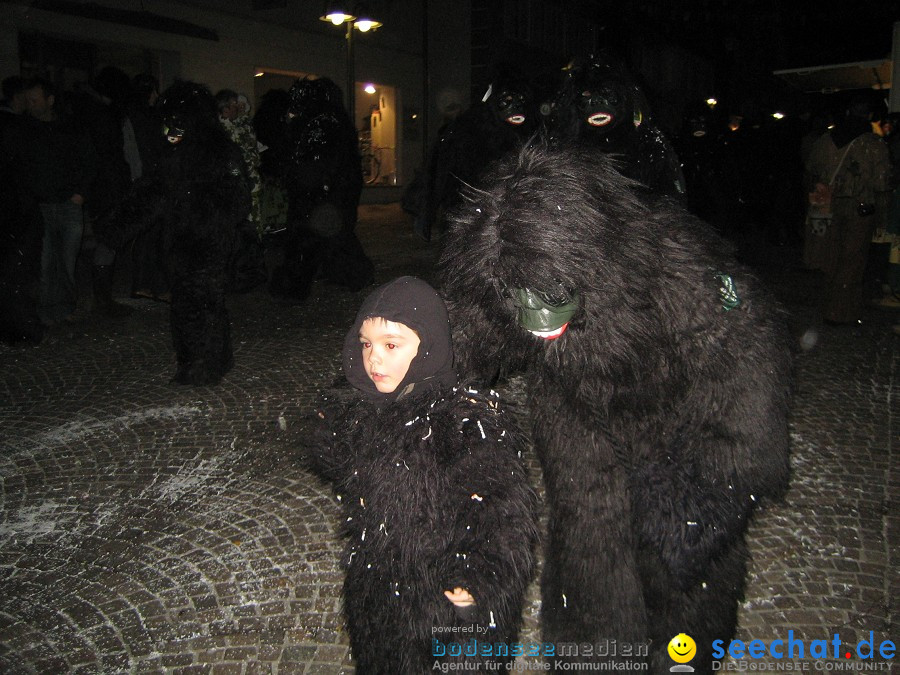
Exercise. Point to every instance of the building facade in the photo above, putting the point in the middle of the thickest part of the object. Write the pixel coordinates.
(408, 74)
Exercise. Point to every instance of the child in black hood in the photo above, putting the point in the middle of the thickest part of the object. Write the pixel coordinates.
(439, 518)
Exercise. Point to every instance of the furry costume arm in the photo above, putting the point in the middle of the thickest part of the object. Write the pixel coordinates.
(144, 205)
(235, 187)
(221, 191)
(325, 451)
(700, 488)
(491, 549)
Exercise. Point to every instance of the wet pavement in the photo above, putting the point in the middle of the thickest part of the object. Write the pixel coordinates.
(147, 527)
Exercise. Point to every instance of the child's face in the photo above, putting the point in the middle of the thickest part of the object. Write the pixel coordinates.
(387, 350)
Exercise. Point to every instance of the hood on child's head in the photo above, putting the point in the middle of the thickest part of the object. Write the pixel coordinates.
(412, 302)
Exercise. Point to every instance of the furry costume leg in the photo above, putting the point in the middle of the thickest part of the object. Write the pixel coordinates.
(201, 331)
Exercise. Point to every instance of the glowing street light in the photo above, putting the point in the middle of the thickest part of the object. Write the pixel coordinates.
(336, 14)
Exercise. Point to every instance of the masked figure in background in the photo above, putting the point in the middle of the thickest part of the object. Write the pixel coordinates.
(323, 180)
(197, 196)
(505, 118)
(711, 171)
(600, 105)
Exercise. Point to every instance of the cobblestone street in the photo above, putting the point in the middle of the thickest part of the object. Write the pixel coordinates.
(148, 527)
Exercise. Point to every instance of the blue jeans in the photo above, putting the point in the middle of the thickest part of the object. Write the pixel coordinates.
(63, 227)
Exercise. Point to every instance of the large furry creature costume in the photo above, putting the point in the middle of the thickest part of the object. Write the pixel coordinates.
(505, 118)
(323, 179)
(658, 375)
(197, 196)
(435, 497)
(599, 105)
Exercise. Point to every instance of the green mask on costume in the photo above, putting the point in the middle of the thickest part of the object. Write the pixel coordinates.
(547, 317)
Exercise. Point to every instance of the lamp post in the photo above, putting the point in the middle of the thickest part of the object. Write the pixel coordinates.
(357, 17)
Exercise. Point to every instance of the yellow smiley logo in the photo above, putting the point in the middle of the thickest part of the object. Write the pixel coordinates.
(682, 648)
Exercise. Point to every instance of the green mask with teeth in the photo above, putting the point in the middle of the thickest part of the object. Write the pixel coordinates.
(536, 312)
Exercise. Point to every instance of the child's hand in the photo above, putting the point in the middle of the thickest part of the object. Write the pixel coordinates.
(460, 597)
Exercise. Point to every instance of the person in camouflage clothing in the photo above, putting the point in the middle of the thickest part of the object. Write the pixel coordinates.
(246, 267)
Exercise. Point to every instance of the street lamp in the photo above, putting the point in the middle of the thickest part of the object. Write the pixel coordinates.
(355, 16)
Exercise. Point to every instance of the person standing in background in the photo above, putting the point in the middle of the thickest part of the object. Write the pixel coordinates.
(851, 164)
(145, 144)
(56, 163)
(100, 109)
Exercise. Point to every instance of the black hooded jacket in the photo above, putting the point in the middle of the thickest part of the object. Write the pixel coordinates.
(435, 496)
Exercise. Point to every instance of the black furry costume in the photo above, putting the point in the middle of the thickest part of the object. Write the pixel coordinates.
(435, 497)
(659, 413)
(600, 105)
(505, 118)
(196, 196)
(323, 180)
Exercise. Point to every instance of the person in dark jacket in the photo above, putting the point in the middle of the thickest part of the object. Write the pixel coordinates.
(56, 163)
(145, 146)
(439, 518)
(100, 110)
(21, 228)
